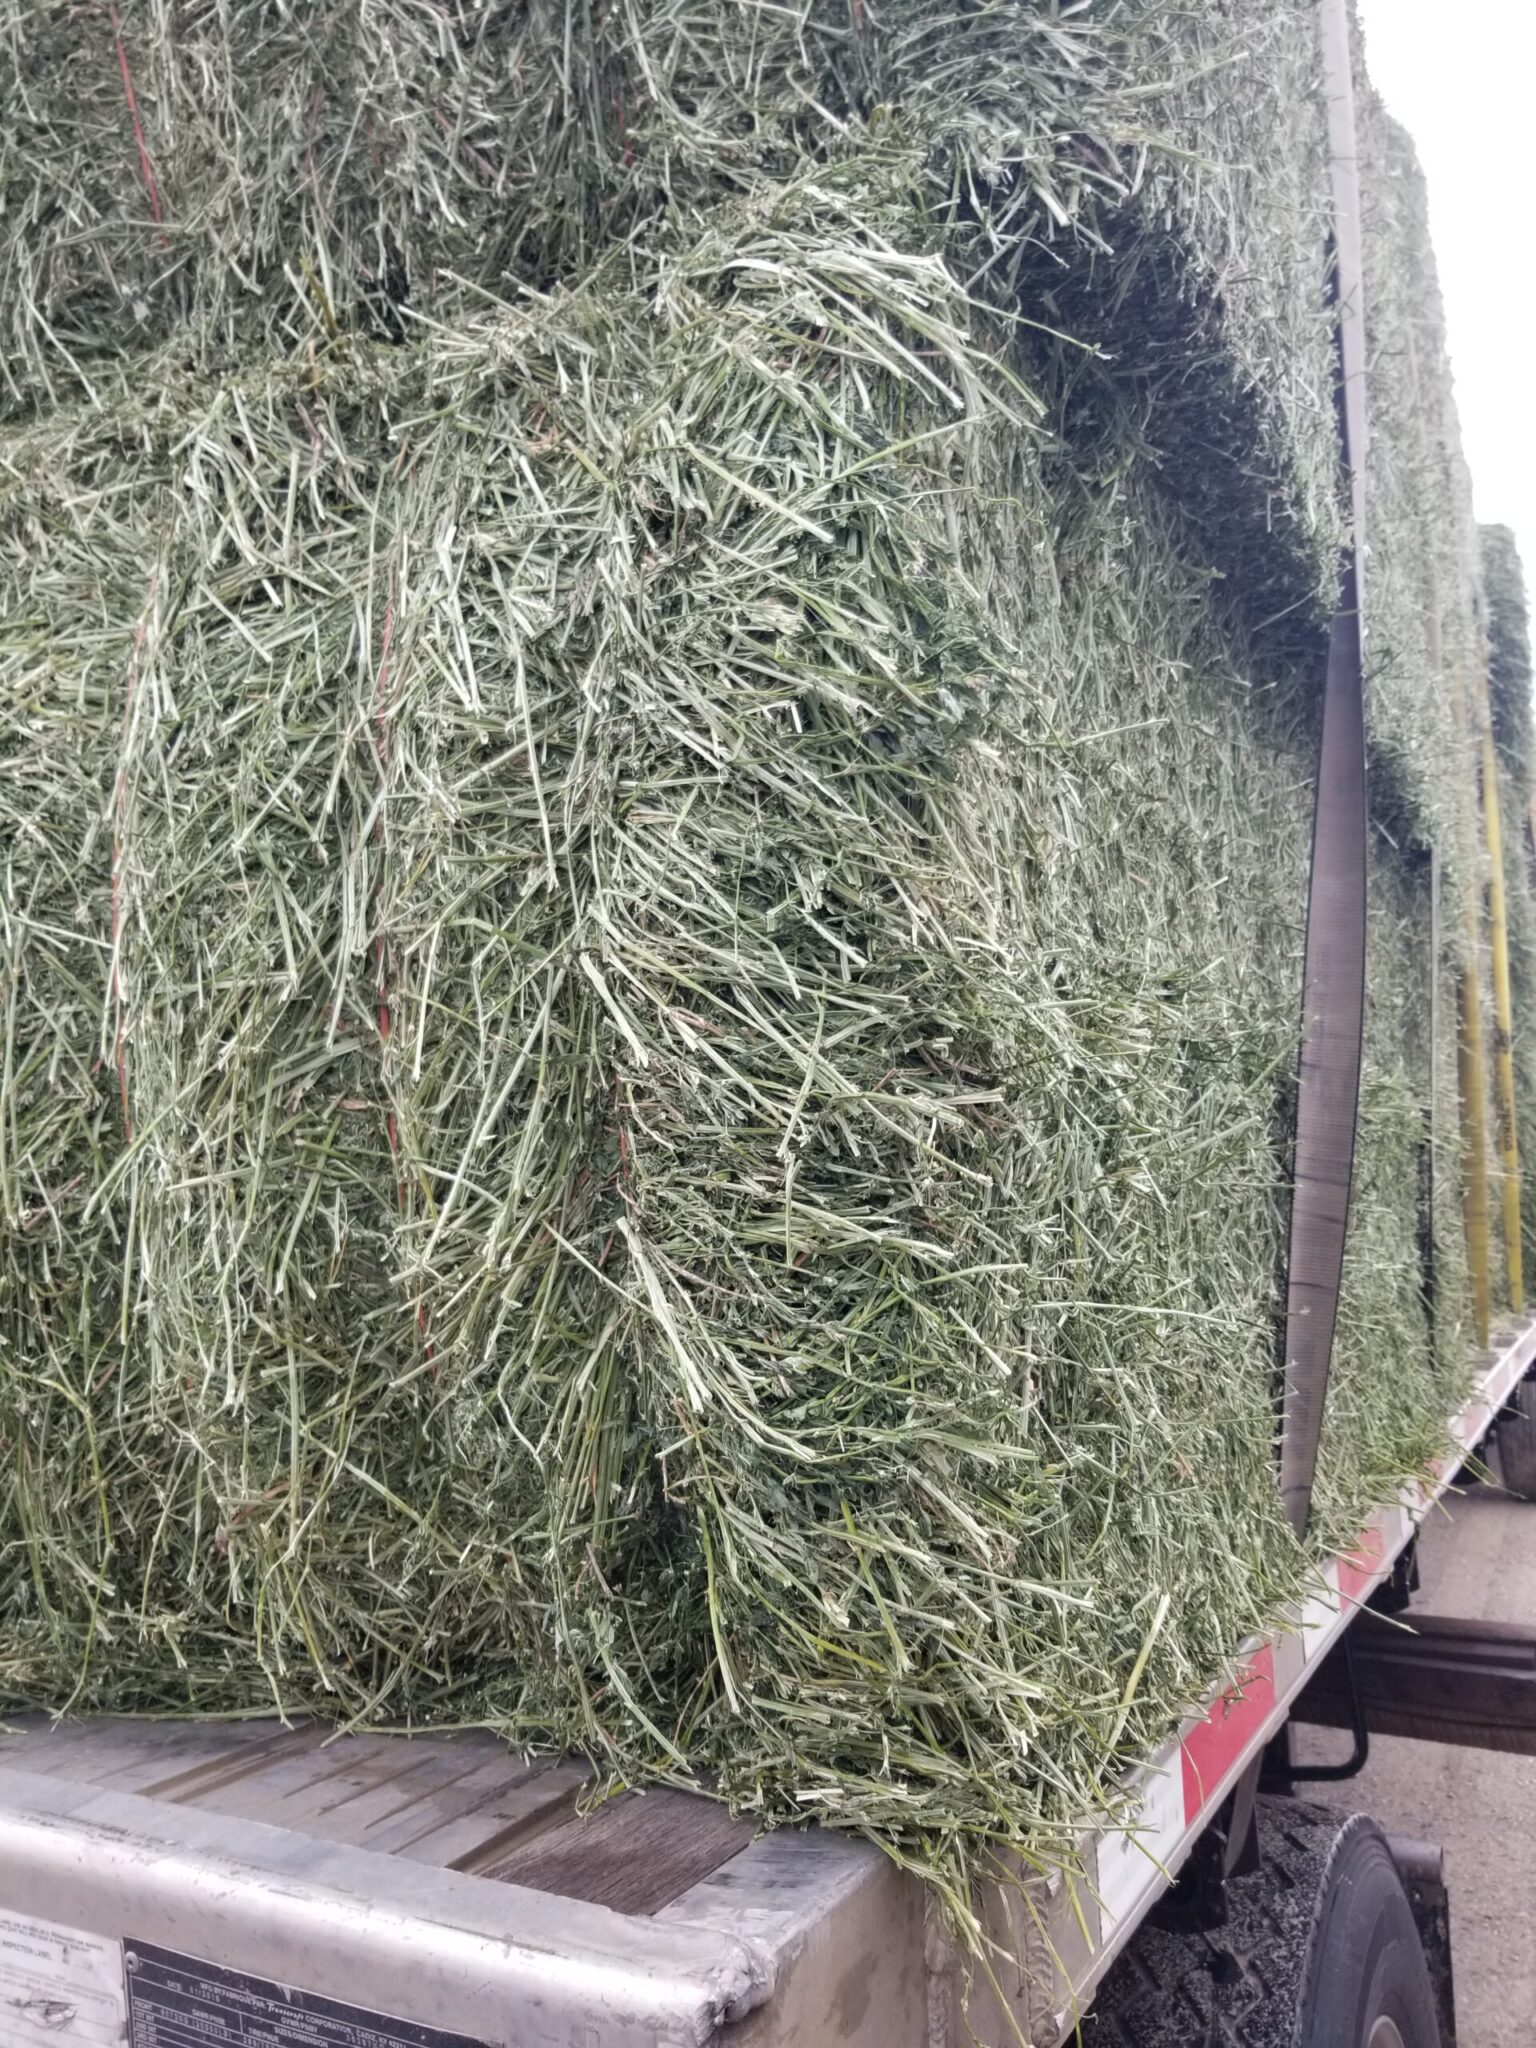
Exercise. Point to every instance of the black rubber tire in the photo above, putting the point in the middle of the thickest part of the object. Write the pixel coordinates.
(1517, 1443)
(1320, 1944)
(1366, 1962)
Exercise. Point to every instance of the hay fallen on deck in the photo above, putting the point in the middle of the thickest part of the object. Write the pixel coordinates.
(654, 878)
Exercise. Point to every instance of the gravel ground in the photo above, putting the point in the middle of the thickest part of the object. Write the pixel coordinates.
(1479, 1560)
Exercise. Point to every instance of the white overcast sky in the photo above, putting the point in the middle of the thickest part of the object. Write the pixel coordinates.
(1460, 79)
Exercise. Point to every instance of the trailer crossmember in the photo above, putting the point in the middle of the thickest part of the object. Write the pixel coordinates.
(1438, 1679)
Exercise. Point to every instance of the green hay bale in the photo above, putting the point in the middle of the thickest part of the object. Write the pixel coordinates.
(806, 1183)
(1509, 657)
(257, 175)
(1418, 510)
(1422, 647)
(1509, 691)
(1402, 1359)
(694, 881)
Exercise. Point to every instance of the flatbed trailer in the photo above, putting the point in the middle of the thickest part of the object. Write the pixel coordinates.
(165, 1884)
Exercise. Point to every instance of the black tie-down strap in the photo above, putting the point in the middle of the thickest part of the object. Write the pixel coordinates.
(1328, 1094)
(1333, 975)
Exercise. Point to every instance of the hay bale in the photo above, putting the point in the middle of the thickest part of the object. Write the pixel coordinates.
(1405, 1291)
(1509, 688)
(263, 174)
(1509, 658)
(654, 908)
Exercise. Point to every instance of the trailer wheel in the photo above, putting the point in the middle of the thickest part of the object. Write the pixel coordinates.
(1320, 1951)
(1517, 1443)
(1367, 1980)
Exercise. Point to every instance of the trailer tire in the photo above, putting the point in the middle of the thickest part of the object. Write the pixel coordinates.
(1367, 1981)
(1517, 1443)
(1320, 1951)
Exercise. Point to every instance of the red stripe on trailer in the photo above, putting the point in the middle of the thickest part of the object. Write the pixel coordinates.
(1235, 1721)
(1476, 1426)
(1362, 1567)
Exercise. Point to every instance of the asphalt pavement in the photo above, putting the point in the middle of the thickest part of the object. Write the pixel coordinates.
(1478, 1559)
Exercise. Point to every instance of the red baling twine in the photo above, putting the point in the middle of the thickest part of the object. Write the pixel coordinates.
(146, 168)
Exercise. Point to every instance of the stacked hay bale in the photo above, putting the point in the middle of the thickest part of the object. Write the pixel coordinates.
(660, 675)
(1406, 1296)
(1507, 620)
